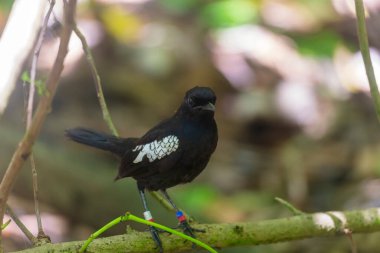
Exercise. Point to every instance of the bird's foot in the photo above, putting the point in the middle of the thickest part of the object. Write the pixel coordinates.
(185, 226)
(156, 238)
(189, 230)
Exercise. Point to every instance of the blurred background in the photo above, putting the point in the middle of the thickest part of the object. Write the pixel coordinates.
(294, 114)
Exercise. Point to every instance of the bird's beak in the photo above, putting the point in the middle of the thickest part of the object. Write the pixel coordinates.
(208, 107)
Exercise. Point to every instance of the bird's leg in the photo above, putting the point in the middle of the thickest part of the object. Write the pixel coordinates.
(148, 216)
(183, 223)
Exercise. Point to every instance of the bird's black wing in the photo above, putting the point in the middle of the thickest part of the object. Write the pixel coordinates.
(158, 150)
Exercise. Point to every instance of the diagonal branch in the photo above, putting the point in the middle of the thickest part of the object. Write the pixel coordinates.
(21, 225)
(24, 148)
(236, 234)
(98, 86)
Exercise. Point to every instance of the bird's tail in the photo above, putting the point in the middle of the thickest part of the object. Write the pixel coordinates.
(100, 140)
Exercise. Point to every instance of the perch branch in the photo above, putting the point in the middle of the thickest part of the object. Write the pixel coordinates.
(236, 234)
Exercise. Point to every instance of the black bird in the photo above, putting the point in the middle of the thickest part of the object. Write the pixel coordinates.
(173, 152)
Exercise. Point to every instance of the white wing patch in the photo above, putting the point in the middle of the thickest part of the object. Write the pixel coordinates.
(157, 149)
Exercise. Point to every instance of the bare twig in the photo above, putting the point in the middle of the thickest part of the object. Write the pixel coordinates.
(24, 148)
(22, 227)
(98, 85)
(29, 113)
(33, 69)
(354, 248)
(364, 48)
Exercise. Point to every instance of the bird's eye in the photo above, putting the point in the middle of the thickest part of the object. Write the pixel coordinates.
(190, 101)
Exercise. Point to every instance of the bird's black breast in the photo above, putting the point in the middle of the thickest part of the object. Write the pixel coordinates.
(196, 143)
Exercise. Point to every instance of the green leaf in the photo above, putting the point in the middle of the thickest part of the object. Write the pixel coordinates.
(197, 198)
(180, 7)
(25, 77)
(41, 87)
(319, 44)
(229, 13)
(5, 224)
(39, 84)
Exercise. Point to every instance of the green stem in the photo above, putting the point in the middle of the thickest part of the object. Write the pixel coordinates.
(292, 208)
(172, 231)
(129, 216)
(364, 48)
(101, 231)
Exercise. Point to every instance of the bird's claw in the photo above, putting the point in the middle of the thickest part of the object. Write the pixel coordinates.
(156, 238)
(185, 226)
(188, 230)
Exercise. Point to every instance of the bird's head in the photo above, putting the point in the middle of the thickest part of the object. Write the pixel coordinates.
(200, 100)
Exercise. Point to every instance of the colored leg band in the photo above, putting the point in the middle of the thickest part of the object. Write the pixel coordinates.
(180, 216)
(148, 216)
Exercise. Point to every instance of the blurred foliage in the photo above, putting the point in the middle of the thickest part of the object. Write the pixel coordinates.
(40, 84)
(180, 7)
(228, 13)
(320, 44)
(290, 125)
(120, 24)
(5, 5)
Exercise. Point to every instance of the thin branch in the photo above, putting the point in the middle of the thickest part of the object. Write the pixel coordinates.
(289, 206)
(24, 148)
(33, 69)
(98, 85)
(354, 248)
(41, 236)
(29, 113)
(163, 201)
(235, 234)
(364, 48)
(21, 225)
